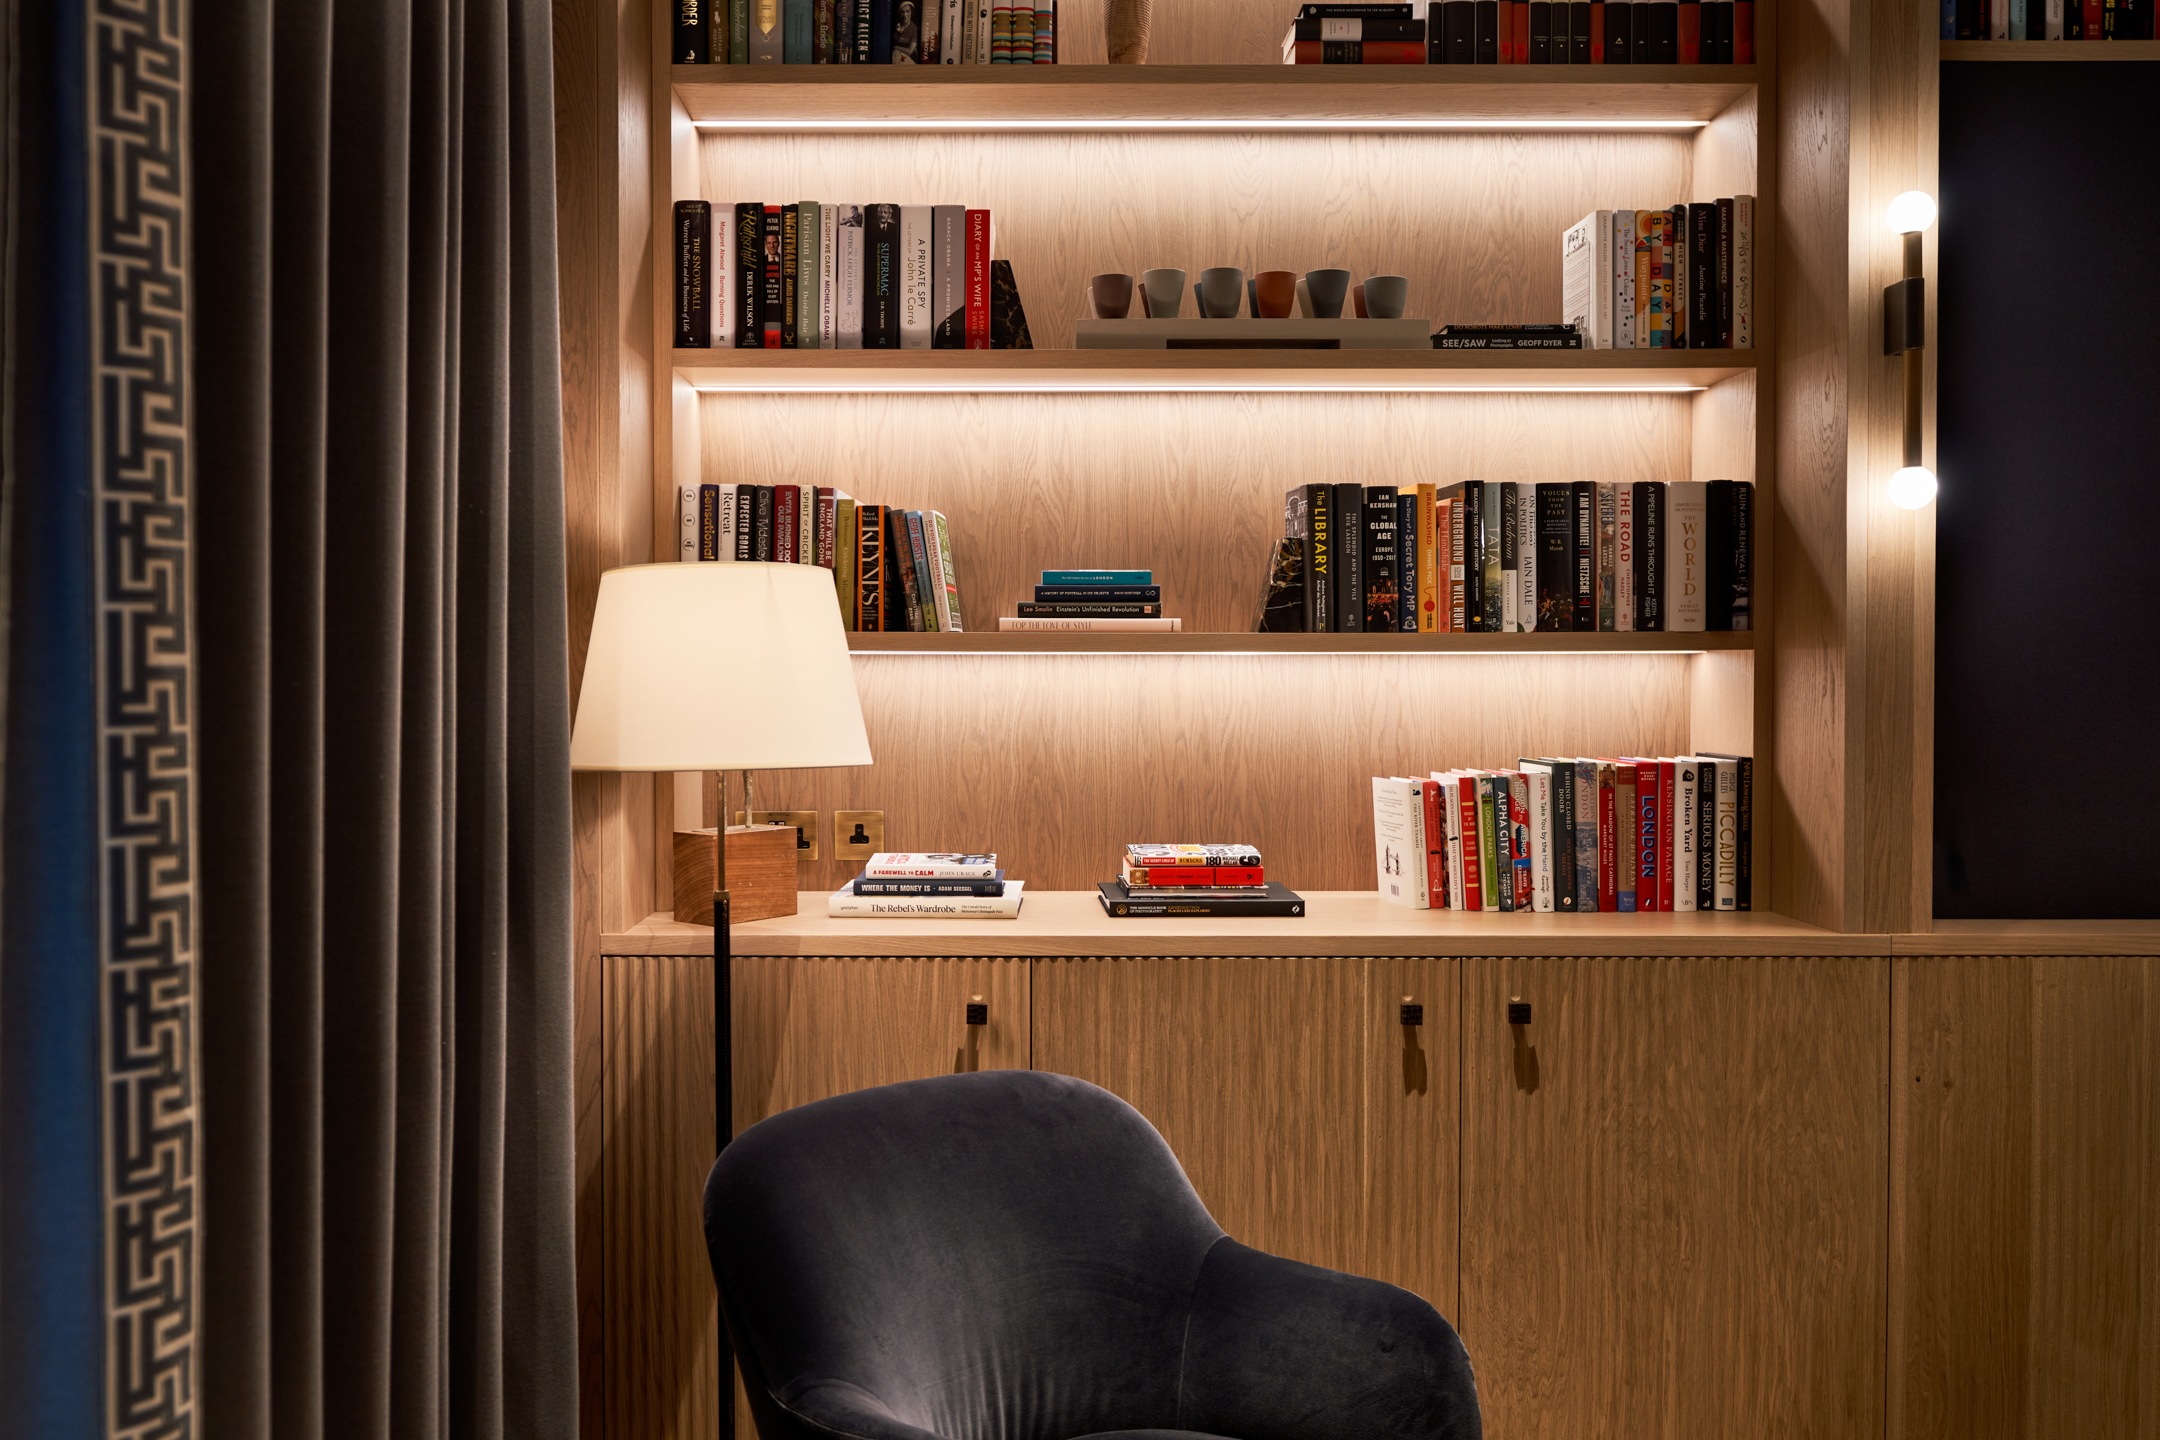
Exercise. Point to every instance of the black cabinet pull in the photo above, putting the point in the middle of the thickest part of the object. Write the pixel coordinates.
(1518, 1012)
(977, 1012)
(1412, 1012)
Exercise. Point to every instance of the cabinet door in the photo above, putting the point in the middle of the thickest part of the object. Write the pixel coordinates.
(1674, 1204)
(1311, 1121)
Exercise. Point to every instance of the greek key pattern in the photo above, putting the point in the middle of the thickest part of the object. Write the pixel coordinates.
(137, 90)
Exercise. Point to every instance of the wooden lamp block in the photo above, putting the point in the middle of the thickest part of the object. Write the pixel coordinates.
(760, 872)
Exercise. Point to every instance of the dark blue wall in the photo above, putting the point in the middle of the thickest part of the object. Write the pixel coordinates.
(2047, 676)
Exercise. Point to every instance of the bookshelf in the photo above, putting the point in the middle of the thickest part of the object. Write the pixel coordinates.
(2075, 51)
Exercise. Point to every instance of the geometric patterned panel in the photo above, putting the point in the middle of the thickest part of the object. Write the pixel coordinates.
(138, 239)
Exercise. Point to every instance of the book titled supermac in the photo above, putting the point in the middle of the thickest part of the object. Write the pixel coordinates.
(898, 865)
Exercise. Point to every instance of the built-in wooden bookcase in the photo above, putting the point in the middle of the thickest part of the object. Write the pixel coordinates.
(1055, 751)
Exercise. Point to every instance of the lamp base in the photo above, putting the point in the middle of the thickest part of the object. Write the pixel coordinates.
(760, 872)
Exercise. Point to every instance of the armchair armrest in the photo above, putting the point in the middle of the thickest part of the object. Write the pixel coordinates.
(1276, 1350)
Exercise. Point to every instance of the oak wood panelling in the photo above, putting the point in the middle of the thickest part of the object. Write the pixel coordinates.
(2027, 1195)
(1721, 709)
(1057, 763)
(1474, 220)
(1673, 1196)
(1281, 1086)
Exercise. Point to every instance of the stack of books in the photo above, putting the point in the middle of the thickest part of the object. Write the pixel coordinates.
(834, 276)
(1510, 558)
(1200, 881)
(892, 568)
(1093, 600)
(1676, 279)
(2051, 20)
(1570, 836)
(866, 32)
(1530, 32)
(933, 886)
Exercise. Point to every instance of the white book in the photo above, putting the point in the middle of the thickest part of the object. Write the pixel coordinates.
(1623, 272)
(686, 510)
(847, 323)
(846, 904)
(1586, 267)
(1686, 529)
(1045, 624)
(915, 255)
(727, 522)
(1525, 557)
(1537, 780)
(828, 277)
(1687, 797)
(1743, 255)
(2017, 19)
(2054, 19)
(1725, 837)
(983, 28)
(723, 294)
(1998, 19)
(1624, 558)
(950, 29)
(929, 865)
(1399, 842)
(1451, 819)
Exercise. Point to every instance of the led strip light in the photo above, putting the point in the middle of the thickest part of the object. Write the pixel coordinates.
(1004, 125)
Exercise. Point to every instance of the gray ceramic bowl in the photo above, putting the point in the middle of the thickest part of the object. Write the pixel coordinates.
(1327, 289)
(1386, 296)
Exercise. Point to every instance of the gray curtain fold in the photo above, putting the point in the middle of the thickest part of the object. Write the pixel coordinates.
(384, 723)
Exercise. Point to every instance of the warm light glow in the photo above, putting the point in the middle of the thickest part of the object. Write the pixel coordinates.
(1912, 212)
(1912, 487)
(1006, 125)
(1178, 387)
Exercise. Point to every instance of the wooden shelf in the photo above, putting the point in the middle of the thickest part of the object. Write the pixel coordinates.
(996, 642)
(1353, 922)
(2077, 50)
(792, 97)
(2033, 937)
(766, 371)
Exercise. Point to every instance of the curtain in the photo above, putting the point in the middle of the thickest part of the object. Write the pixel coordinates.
(285, 1007)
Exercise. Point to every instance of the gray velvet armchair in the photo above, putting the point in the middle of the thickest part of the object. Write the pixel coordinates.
(1018, 1256)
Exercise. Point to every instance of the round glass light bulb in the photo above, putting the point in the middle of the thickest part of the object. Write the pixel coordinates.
(1912, 211)
(1912, 487)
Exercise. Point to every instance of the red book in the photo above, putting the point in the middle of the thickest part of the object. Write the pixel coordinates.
(787, 515)
(977, 279)
(1649, 824)
(1691, 32)
(2093, 20)
(1522, 33)
(1597, 32)
(1506, 28)
(1435, 844)
(1743, 32)
(1471, 884)
(1191, 875)
(1608, 876)
(1359, 52)
(1668, 796)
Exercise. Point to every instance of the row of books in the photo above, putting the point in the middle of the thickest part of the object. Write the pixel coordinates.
(1677, 279)
(892, 568)
(866, 32)
(818, 275)
(1525, 32)
(1509, 558)
(939, 885)
(1093, 600)
(2047, 19)
(1570, 836)
(1196, 882)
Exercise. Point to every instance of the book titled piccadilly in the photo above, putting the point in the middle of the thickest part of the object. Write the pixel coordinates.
(1101, 600)
(1198, 881)
(844, 903)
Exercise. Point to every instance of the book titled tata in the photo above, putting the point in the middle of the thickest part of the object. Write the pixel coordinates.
(873, 885)
(1279, 902)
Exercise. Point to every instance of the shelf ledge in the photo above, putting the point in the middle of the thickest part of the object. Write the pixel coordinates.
(1022, 642)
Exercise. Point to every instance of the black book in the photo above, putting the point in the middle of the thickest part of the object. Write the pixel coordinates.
(1541, 32)
(1724, 273)
(749, 275)
(790, 272)
(1743, 829)
(863, 20)
(2036, 22)
(1008, 321)
(1717, 555)
(1349, 587)
(1316, 525)
(775, 282)
(1382, 559)
(1743, 551)
(693, 274)
(1517, 503)
(761, 541)
(903, 598)
(1563, 832)
(881, 36)
(693, 33)
(1972, 19)
(1354, 12)
(1664, 46)
(1717, 37)
(1458, 32)
(1617, 49)
(1369, 28)
(1555, 556)
(1279, 902)
(864, 885)
(1705, 835)
(1578, 32)
(1098, 594)
(745, 522)
(1407, 542)
(1585, 540)
(881, 277)
(1639, 33)
(1650, 555)
(1485, 32)
(1702, 288)
(1511, 340)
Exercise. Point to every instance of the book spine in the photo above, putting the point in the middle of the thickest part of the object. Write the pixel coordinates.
(761, 538)
(1743, 24)
(825, 32)
(1743, 266)
(1664, 32)
(1726, 855)
(869, 567)
(844, 552)
(773, 306)
(928, 589)
(1608, 890)
(1723, 277)
(689, 521)
(1001, 20)
(881, 277)
(1473, 882)
(1410, 555)
(1624, 856)
(902, 595)
(1488, 860)
(948, 297)
(951, 26)
(1585, 496)
(848, 284)
(1382, 594)
(1518, 834)
(1689, 32)
(1175, 875)
(1684, 803)
(1504, 51)
(693, 33)
(1433, 825)
(881, 32)
(1706, 782)
(749, 280)
(1368, 27)
(1555, 556)
(1649, 552)
(1540, 51)
(1676, 276)
(1349, 555)
(809, 232)
(1526, 557)
(1702, 249)
(1717, 555)
(1741, 578)
(948, 580)
(916, 317)
(1578, 31)
(1619, 32)
(1586, 837)
(1149, 594)
(1538, 785)
(977, 279)
(693, 271)
(828, 302)
(796, 27)
(1624, 559)
(787, 518)
(1503, 844)
(1686, 521)
(827, 531)
(745, 521)
(1122, 624)
(1563, 837)
(1744, 834)
(1357, 52)
(1608, 590)
(1647, 816)
(1510, 592)
(927, 887)
(1668, 818)
(1319, 527)
(1597, 32)
(1472, 507)
(930, 49)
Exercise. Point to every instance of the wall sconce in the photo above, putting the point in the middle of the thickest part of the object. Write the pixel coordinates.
(1905, 333)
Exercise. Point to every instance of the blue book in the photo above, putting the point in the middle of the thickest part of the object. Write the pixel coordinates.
(880, 32)
(1098, 577)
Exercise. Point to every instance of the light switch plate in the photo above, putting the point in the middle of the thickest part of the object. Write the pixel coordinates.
(804, 821)
(844, 825)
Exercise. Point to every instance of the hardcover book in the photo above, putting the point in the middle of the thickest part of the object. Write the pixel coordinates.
(1349, 574)
(849, 293)
(809, 241)
(869, 885)
(1585, 492)
(949, 606)
(749, 276)
(1649, 554)
(881, 277)
(1555, 556)
(948, 286)
(1399, 842)
(846, 904)
(1098, 577)
(693, 272)
(869, 567)
(1186, 854)
(1280, 902)
(1381, 559)
(931, 865)
(916, 273)
(774, 305)
(1686, 536)
(1098, 594)
(929, 583)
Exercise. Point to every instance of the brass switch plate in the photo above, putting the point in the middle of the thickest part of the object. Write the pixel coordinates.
(845, 823)
(803, 821)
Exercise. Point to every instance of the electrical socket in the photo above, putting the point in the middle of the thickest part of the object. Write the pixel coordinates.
(804, 823)
(845, 824)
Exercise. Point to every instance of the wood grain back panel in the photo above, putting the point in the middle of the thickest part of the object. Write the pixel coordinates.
(1673, 1196)
(1472, 219)
(1413, 1149)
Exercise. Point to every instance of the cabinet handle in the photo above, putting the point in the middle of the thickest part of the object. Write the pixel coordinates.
(1412, 1012)
(1518, 1011)
(977, 1012)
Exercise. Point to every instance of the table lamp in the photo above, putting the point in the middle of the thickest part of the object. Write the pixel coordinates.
(741, 666)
